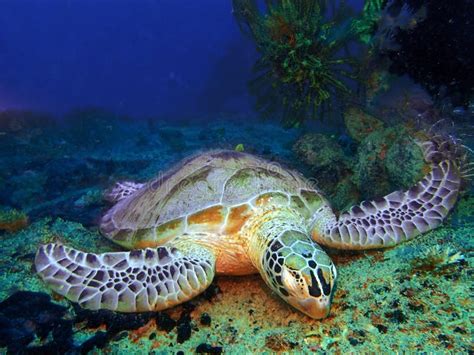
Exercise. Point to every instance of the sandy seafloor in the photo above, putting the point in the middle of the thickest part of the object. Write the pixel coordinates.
(416, 297)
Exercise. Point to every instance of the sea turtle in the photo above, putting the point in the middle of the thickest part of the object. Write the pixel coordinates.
(232, 213)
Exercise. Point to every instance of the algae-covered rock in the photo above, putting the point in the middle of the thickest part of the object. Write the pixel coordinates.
(387, 160)
(321, 152)
(404, 162)
(345, 194)
(360, 124)
(370, 175)
(329, 166)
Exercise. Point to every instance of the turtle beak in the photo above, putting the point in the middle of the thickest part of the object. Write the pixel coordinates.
(316, 308)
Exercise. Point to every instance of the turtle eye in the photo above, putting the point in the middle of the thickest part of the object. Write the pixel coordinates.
(289, 281)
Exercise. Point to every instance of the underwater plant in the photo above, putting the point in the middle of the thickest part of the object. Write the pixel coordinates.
(366, 24)
(239, 147)
(436, 258)
(302, 68)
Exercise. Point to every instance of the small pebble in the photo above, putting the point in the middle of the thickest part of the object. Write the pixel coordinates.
(395, 304)
(184, 332)
(459, 330)
(445, 340)
(396, 316)
(211, 291)
(353, 341)
(416, 307)
(205, 319)
(209, 349)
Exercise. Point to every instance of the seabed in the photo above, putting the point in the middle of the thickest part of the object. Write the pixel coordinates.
(415, 297)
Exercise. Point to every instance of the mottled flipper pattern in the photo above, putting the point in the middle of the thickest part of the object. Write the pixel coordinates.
(401, 215)
(135, 281)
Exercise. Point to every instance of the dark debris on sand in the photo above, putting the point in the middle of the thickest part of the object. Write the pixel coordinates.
(26, 317)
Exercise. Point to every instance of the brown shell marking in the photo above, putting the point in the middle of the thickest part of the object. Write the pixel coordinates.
(193, 190)
(209, 219)
(237, 218)
(161, 235)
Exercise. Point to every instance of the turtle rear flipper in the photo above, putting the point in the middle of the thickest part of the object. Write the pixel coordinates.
(398, 216)
(135, 281)
(122, 190)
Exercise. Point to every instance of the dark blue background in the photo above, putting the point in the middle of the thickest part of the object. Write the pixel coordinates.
(138, 57)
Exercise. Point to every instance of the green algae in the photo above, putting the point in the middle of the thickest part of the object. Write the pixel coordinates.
(360, 124)
(387, 159)
(329, 166)
(10, 215)
(12, 220)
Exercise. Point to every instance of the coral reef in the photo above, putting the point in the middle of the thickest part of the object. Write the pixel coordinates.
(300, 69)
(386, 159)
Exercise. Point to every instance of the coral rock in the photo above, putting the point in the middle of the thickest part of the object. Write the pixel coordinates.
(360, 124)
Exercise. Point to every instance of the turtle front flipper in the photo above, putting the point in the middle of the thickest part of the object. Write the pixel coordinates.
(135, 281)
(396, 217)
(122, 190)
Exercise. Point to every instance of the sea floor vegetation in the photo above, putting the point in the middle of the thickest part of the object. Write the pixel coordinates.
(415, 297)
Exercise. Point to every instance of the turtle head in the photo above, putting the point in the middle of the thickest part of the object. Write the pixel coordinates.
(301, 273)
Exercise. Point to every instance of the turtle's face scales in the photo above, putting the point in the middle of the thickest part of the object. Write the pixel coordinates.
(310, 289)
(301, 273)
